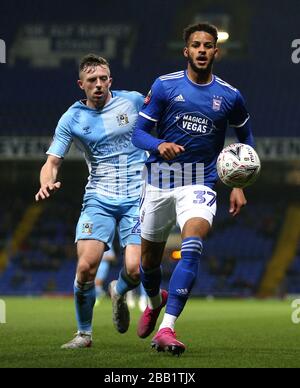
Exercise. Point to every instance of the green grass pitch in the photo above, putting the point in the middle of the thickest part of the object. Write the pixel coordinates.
(218, 333)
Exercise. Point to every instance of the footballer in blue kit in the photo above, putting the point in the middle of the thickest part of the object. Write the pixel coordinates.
(101, 127)
(190, 111)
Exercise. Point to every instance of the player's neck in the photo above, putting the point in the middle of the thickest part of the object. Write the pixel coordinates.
(92, 105)
(202, 78)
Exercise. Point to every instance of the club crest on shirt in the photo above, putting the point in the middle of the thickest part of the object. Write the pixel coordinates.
(122, 119)
(217, 102)
(87, 228)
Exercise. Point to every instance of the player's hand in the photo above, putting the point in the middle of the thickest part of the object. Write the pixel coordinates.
(47, 190)
(169, 151)
(237, 201)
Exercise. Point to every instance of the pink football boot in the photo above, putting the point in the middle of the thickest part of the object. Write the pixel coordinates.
(149, 317)
(165, 340)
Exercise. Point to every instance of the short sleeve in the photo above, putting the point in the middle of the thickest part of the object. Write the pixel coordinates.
(155, 102)
(239, 114)
(63, 137)
(139, 101)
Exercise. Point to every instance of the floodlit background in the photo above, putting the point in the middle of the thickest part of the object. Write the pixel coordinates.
(254, 255)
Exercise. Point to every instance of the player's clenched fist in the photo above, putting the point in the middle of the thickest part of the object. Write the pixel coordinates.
(169, 151)
(47, 190)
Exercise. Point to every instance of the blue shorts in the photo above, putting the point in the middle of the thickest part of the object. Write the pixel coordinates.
(100, 216)
(103, 270)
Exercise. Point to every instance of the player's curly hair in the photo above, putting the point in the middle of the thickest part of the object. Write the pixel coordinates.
(206, 27)
(92, 60)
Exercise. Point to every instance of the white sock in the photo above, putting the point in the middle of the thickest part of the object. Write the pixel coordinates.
(115, 289)
(155, 301)
(168, 321)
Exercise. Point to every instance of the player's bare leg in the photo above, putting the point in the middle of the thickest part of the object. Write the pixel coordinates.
(181, 284)
(152, 253)
(129, 279)
(195, 227)
(90, 253)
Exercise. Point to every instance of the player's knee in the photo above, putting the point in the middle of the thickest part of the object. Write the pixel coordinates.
(86, 270)
(151, 259)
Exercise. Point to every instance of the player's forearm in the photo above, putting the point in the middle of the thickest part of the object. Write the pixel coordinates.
(142, 138)
(145, 141)
(245, 135)
(49, 173)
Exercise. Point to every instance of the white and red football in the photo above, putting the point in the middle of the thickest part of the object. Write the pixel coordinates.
(238, 165)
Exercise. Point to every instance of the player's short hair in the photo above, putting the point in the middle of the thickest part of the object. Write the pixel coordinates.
(206, 27)
(92, 60)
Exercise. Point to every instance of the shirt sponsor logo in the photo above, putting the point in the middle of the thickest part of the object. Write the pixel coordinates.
(195, 124)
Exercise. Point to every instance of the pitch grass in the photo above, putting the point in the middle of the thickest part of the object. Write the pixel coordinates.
(219, 333)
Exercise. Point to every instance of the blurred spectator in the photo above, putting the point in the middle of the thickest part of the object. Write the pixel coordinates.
(213, 265)
(228, 266)
(50, 286)
(18, 279)
(243, 284)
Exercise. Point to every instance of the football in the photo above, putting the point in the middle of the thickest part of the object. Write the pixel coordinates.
(238, 165)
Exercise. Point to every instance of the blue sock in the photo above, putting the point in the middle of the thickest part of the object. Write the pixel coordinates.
(85, 297)
(102, 275)
(125, 283)
(103, 270)
(151, 280)
(99, 291)
(184, 275)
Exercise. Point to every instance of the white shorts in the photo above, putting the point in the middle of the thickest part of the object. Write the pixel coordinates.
(160, 209)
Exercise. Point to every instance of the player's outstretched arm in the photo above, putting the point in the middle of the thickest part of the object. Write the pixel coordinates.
(48, 177)
(237, 201)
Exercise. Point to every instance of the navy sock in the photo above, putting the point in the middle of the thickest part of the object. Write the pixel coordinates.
(151, 280)
(184, 275)
(85, 297)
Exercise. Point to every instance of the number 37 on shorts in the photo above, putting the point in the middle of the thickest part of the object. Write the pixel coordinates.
(204, 197)
(199, 202)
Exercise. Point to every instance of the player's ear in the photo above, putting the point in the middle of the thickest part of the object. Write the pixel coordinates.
(186, 52)
(80, 84)
(217, 53)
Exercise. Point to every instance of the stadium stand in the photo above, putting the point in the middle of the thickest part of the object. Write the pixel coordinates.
(50, 92)
(233, 263)
(33, 98)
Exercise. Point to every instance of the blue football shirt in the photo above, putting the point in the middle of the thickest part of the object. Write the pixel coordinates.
(104, 137)
(196, 117)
